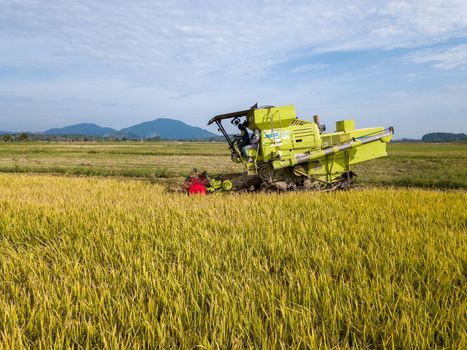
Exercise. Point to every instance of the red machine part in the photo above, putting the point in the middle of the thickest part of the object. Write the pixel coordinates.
(196, 184)
(197, 188)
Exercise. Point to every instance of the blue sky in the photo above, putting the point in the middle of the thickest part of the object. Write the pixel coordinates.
(116, 63)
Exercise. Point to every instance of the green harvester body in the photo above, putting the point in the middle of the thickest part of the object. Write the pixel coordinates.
(292, 150)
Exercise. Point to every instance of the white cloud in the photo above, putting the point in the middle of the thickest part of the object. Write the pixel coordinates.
(453, 57)
(426, 20)
(308, 68)
(209, 35)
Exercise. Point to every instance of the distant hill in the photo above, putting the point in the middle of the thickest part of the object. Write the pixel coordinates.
(444, 137)
(162, 128)
(168, 129)
(81, 129)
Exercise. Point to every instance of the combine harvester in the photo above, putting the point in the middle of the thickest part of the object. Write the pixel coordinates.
(287, 153)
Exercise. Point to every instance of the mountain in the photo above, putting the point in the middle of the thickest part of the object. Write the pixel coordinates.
(119, 135)
(164, 128)
(81, 129)
(444, 137)
(168, 129)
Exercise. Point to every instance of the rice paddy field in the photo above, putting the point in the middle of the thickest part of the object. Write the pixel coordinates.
(97, 253)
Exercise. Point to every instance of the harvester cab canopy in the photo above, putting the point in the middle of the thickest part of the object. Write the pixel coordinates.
(232, 115)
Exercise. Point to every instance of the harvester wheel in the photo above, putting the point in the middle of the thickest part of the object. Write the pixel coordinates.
(197, 188)
(268, 173)
(227, 185)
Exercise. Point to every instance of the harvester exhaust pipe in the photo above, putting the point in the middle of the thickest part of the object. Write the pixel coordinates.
(384, 136)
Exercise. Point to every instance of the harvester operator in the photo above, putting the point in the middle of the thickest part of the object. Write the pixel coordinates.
(246, 141)
(245, 136)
